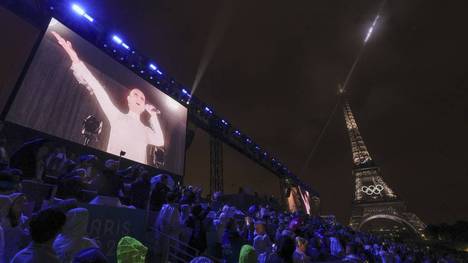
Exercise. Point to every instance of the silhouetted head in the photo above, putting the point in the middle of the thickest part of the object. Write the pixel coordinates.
(45, 225)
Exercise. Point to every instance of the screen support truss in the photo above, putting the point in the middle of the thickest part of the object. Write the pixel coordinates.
(216, 165)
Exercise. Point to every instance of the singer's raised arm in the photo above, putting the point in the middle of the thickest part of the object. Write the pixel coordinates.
(84, 76)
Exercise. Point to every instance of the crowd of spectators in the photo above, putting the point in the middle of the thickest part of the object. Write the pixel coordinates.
(57, 232)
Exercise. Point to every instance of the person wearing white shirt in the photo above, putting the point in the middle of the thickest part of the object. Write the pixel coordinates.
(168, 225)
(73, 237)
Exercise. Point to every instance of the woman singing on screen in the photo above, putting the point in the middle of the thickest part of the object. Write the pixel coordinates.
(127, 132)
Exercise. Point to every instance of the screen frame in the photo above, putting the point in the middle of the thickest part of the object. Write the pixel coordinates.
(24, 72)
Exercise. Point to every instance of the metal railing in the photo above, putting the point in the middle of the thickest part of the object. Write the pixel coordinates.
(171, 249)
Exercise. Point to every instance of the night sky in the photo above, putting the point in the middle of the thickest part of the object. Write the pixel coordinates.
(275, 73)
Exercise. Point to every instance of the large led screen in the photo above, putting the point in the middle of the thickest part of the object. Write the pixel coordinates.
(74, 91)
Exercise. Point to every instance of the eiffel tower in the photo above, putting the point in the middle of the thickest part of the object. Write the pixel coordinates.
(376, 208)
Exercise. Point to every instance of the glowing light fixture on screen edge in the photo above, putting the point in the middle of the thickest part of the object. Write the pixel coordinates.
(208, 110)
(80, 11)
(117, 39)
(186, 95)
(125, 46)
(154, 68)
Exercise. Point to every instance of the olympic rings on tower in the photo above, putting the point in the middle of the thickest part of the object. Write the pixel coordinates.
(372, 189)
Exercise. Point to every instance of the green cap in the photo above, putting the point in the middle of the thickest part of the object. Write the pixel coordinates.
(131, 250)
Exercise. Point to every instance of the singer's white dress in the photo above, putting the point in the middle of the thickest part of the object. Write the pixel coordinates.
(127, 132)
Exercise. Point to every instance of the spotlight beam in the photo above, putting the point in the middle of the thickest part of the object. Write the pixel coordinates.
(341, 91)
(374, 23)
(220, 25)
(371, 29)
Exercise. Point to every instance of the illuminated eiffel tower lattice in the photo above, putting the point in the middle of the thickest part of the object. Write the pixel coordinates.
(376, 207)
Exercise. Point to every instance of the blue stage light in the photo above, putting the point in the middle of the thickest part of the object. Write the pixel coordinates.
(236, 132)
(117, 39)
(125, 46)
(153, 67)
(90, 19)
(78, 9)
(187, 93)
(225, 122)
(208, 110)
